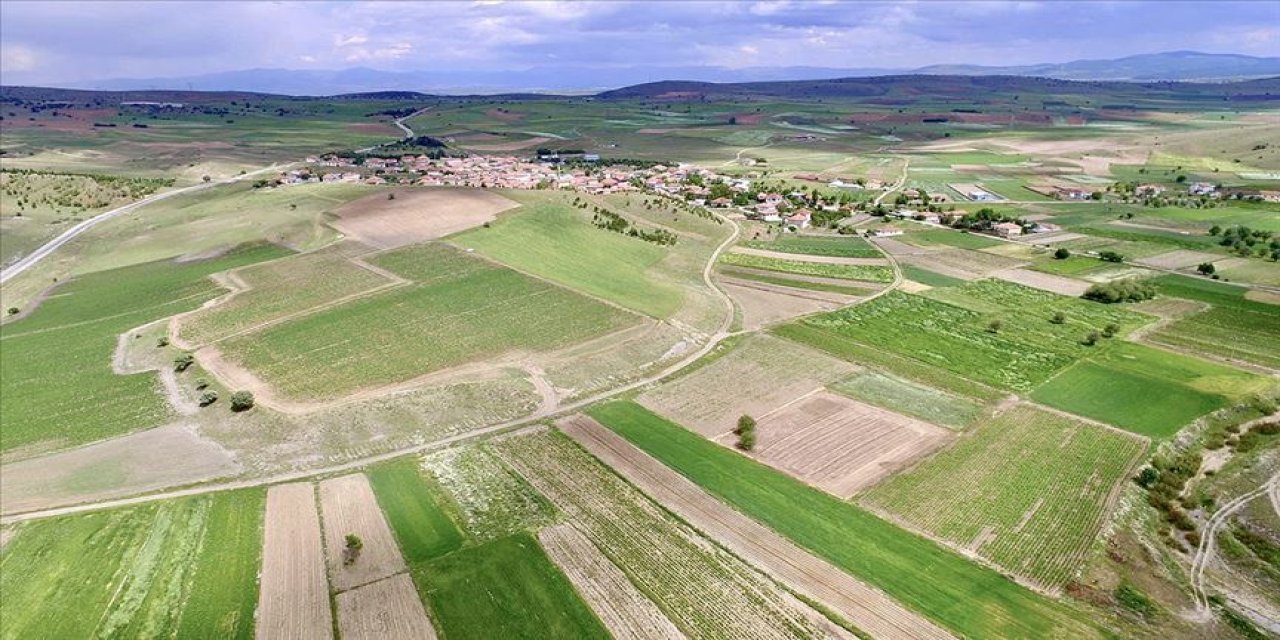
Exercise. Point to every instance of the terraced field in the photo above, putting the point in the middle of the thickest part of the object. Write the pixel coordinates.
(835, 246)
(706, 592)
(962, 596)
(1028, 491)
(865, 273)
(277, 290)
(183, 568)
(62, 390)
(459, 309)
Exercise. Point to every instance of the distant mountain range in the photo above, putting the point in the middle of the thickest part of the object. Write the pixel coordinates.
(1170, 66)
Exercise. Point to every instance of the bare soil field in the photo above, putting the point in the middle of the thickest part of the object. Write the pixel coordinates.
(624, 610)
(962, 263)
(154, 459)
(804, 257)
(1044, 281)
(388, 609)
(514, 145)
(1051, 238)
(1179, 259)
(761, 375)
(841, 445)
(349, 507)
(898, 247)
(293, 601)
(417, 215)
(766, 304)
(1259, 295)
(867, 608)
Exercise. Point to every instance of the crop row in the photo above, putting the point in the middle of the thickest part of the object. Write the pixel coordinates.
(866, 273)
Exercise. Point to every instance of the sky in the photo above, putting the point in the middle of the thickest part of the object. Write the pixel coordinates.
(48, 43)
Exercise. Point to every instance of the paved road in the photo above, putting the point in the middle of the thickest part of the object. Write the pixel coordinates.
(31, 259)
(399, 122)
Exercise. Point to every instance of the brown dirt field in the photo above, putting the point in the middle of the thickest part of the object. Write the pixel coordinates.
(1051, 238)
(380, 128)
(417, 215)
(963, 263)
(1179, 259)
(294, 598)
(627, 613)
(514, 145)
(866, 607)
(654, 131)
(840, 445)
(149, 460)
(349, 506)
(800, 257)
(1258, 295)
(505, 116)
(765, 304)
(911, 286)
(1044, 281)
(895, 247)
(385, 610)
(761, 375)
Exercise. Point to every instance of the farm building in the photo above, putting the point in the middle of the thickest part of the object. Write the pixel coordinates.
(1007, 229)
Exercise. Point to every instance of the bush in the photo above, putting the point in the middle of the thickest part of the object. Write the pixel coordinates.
(1058, 317)
(1124, 290)
(183, 362)
(1110, 256)
(351, 548)
(1110, 330)
(13, 311)
(1062, 253)
(201, 384)
(241, 401)
(747, 441)
(209, 397)
(1090, 339)
(994, 326)
(746, 432)
(1136, 601)
(1206, 268)
(1147, 477)
(162, 342)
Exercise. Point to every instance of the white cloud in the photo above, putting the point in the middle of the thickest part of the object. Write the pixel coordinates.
(15, 58)
(340, 40)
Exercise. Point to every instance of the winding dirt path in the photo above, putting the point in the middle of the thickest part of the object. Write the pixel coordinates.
(1208, 540)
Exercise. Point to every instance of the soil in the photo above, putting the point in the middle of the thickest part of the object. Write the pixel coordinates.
(1044, 281)
(809, 576)
(294, 598)
(799, 257)
(765, 304)
(348, 506)
(386, 609)
(417, 215)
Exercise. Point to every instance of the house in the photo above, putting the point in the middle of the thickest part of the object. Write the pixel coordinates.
(1201, 189)
(885, 232)
(800, 218)
(1073, 193)
(721, 203)
(1007, 229)
(1149, 190)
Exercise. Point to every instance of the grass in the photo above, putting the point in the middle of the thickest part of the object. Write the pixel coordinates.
(931, 278)
(1026, 490)
(460, 309)
(1238, 334)
(549, 238)
(180, 568)
(494, 501)
(1069, 266)
(957, 239)
(419, 519)
(909, 398)
(57, 386)
(837, 246)
(958, 594)
(796, 283)
(868, 273)
(506, 588)
(1110, 387)
(1216, 293)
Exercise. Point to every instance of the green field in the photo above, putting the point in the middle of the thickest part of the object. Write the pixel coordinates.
(61, 390)
(416, 512)
(959, 240)
(1111, 387)
(1025, 351)
(549, 238)
(280, 289)
(459, 309)
(506, 588)
(837, 246)
(931, 278)
(867, 273)
(1071, 266)
(1026, 490)
(1238, 334)
(796, 283)
(960, 595)
(181, 568)
(909, 398)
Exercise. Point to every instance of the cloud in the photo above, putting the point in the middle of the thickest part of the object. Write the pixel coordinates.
(17, 58)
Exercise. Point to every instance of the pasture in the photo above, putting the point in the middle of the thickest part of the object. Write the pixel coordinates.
(62, 391)
(459, 309)
(962, 596)
(1028, 490)
(181, 568)
(504, 588)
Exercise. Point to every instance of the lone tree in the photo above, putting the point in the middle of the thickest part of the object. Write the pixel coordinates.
(1058, 317)
(994, 326)
(1091, 339)
(208, 397)
(13, 311)
(1110, 330)
(241, 401)
(1207, 268)
(1062, 253)
(746, 432)
(351, 549)
(183, 362)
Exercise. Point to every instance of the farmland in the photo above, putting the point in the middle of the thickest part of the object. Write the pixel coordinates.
(960, 595)
(1028, 490)
(493, 500)
(1235, 328)
(865, 273)
(184, 568)
(909, 398)
(836, 246)
(459, 309)
(417, 514)
(49, 404)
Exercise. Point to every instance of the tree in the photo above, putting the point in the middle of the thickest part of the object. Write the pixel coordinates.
(391, 196)
(1207, 268)
(1058, 318)
(1110, 256)
(1062, 253)
(13, 311)
(1091, 339)
(1124, 290)
(746, 432)
(733, 119)
(1215, 230)
(183, 362)
(747, 441)
(208, 397)
(994, 326)
(162, 342)
(206, 178)
(241, 401)
(1147, 477)
(351, 548)
(1110, 330)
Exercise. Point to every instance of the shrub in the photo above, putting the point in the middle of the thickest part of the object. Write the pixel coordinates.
(745, 424)
(208, 397)
(351, 548)
(746, 432)
(1090, 339)
(747, 441)
(1124, 290)
(994, 326)
(1058, 317)
(1062, 253)
(1136, 601)
(201, 384)
(1147, 477)
(1110, 330)
(162, 342)
(13, 311)
(1206, 268)
(241, 401)
(1110, 256)
(183, 362)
